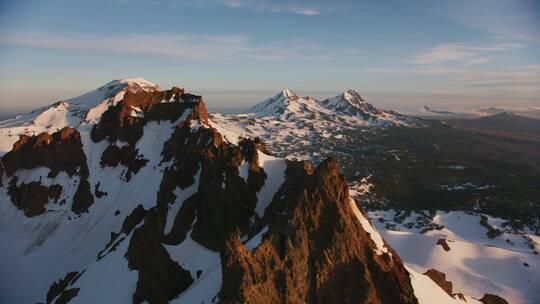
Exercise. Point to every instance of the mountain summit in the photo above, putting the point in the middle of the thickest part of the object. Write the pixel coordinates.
(284, 102)
(71, 112)
(349, 102)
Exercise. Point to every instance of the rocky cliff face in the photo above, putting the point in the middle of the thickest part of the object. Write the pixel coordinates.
(60, 152)
(314, 250)
(152, 203)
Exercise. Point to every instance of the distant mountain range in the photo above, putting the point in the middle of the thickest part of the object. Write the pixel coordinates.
(299, 127)
(531, 112)
(504, 124)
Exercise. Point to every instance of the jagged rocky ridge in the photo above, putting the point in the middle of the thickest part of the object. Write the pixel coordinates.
(150, 202)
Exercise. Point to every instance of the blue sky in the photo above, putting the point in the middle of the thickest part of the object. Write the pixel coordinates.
(399, 54)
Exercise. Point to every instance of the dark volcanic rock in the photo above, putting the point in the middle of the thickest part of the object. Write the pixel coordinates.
(118, 123)
(315, 252)
(133, 219)
(59, 291)
(160, 278)
(492, 299)
(31, 198)
(127, 156)
(440, 278)
(224, 202)
(55, 191)
(83, 198)
(443, 244)
(61, 151)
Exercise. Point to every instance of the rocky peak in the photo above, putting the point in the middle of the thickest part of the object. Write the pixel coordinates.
(288, 94)
(353, 96)
(350, 102)
(126, 119)
(315, 250)
(133, 85)
(284, 101)
(139, 84)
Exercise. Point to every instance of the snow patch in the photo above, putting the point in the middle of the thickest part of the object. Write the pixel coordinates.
(243, 170)
(428, 292)
(366, 225)
(255, 241)
(195, 257)
(181, 196)
(275, 176)
(475, 263)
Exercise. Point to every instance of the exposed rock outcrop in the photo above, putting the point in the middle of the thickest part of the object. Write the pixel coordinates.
(61, 151)
(443, 244)
(224, 202)
(492, 299)
(125, 122)
(160, 278)
(314, 252)
(59, 291)
(31, 197)
(440, 278)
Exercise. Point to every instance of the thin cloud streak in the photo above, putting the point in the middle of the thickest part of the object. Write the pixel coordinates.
(514, 19)
(186, 47)
(465, 53)
(307, 8)
(521, 80)
(294, 7)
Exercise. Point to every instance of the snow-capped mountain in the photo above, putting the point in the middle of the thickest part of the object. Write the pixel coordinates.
(349, 107)
(350, 103)
(299, 127)
(86, 108)
(143, 198)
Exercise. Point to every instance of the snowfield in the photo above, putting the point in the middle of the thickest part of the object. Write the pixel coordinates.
(475, 264)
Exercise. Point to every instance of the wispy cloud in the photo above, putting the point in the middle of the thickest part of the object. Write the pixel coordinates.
(309, 8)
(464, 53)
(299, 7)
(521, 80)
(187, 47)
(515, 19)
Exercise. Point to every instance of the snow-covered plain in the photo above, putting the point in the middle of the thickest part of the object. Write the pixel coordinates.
(475, 263)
